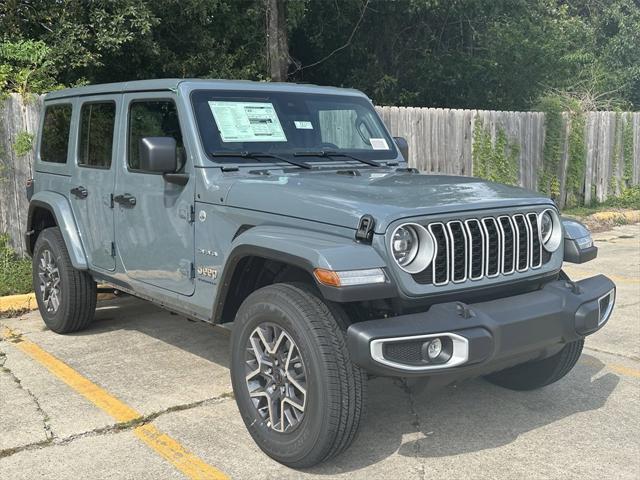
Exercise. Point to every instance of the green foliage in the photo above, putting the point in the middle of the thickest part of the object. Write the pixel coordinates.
(548, 182)
(23, 143)
(25, 67)
(627, 152)
(577, 157)
(496, 161)
(15, 272)
(492, 54)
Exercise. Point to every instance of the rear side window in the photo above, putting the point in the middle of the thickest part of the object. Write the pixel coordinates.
(55, 133)
(97, 121)
(152, 118)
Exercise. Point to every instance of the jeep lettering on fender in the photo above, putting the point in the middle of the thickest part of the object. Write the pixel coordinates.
(289, 212)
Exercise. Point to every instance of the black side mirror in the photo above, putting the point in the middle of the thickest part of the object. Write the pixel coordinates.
(403, 146)
(158, 154)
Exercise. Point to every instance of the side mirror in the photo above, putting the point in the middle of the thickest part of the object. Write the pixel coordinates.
(403, 146)
(158, 154)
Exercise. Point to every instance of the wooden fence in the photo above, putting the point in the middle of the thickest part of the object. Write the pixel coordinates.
(16, 119)
(440, 140)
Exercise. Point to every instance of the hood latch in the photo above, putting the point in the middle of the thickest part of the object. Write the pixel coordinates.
(365, 229)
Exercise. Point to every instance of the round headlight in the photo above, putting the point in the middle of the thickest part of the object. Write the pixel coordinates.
(404, 245)
(550, 230)
(412, 247)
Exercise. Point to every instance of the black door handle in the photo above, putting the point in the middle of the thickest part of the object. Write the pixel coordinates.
(79, 192)
(126, 200)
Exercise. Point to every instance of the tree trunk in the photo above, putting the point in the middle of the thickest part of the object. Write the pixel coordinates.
(277, 41)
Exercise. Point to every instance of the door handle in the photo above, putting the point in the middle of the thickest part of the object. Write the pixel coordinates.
(126, 200)
(79, 192)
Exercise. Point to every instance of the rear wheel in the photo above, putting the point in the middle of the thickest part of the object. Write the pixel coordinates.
(66, 297)
(539, 373)
(299, 395)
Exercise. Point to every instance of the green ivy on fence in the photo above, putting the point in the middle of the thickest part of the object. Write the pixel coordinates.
(496, 161)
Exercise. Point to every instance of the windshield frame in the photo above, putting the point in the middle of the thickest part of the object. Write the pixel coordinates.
(204, 95)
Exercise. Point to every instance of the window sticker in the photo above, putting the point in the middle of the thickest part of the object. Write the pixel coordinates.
(379, 144)
(303, 125)
(247, 122)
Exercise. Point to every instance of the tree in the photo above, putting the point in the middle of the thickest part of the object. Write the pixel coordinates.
(277, 40)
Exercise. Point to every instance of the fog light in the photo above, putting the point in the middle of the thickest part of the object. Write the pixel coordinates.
(434, 349)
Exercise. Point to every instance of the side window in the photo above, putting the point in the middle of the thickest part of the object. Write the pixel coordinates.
(153, 118)
(97, 121)
(55, 133)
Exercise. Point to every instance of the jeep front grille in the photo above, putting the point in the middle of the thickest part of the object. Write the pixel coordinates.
(485, 247)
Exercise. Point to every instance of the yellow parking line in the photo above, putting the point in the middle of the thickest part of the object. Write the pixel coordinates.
(189, 464)
(621, 369)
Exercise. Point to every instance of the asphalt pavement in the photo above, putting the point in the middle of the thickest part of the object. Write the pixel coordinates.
(144, 394)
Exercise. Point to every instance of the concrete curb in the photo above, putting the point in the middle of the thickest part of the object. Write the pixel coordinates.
(25, 301)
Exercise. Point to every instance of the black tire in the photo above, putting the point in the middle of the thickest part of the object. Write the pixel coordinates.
(76, 296)
(336, 388)
(539, 373)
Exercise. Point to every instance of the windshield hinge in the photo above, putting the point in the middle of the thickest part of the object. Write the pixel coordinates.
(364, 233)
(111, 200)
(192, 213)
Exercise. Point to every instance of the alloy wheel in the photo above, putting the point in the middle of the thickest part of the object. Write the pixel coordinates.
(49, 277)
(276, 377)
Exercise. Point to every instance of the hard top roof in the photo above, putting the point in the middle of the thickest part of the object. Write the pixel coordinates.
(173, 83)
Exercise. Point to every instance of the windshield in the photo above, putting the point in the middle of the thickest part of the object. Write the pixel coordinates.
(289, 123)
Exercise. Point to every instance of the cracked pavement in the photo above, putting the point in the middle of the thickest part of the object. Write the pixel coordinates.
(175, 373)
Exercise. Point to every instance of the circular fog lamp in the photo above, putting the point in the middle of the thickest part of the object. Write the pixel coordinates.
(434, 349)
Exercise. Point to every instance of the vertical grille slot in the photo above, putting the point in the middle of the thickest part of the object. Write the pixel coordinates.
(522, 229)
(476, 249)
(441, 260)
(508, 234)
(458, 239)
(536, 244)
(492, 249)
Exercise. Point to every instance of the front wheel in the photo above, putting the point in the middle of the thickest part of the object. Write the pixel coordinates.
(299, 395)
(539, 373)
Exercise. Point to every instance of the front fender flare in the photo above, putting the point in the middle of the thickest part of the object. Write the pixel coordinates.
(307, 250)
(60, 208)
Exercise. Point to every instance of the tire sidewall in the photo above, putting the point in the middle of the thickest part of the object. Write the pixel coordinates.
(46, 241)
(304, 438)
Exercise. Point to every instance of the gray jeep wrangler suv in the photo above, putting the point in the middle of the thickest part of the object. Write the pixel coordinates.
(289, 213)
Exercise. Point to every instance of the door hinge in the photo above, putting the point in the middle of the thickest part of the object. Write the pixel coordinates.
(192, 213)
(113, 249)
(111, 200)
(192, 271)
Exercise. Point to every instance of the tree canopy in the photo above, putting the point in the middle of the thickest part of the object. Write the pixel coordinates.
(494, 54)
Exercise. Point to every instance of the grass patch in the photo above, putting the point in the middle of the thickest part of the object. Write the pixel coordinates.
(628, 200)
(15, 272)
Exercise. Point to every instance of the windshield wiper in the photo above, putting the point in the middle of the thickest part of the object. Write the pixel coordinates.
(259, 155)
(329, 154)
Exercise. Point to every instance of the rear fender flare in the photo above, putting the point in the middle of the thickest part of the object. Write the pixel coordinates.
(60, 208)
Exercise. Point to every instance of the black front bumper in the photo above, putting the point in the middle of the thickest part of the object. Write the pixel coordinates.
(495, 334)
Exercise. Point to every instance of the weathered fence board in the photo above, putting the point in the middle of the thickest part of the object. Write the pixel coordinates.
(440, 140)
(16, 117)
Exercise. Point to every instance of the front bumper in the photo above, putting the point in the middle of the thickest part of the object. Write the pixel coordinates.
(486, 336)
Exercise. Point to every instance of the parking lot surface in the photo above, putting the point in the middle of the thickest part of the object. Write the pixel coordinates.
(146, 394)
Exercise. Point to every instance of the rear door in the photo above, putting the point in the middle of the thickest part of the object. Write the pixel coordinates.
(154, 232)
(94, 177)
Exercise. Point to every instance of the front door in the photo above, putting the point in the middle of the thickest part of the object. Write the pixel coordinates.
(154, 228)
(94, 178)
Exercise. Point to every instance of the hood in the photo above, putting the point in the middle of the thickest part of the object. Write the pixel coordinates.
(339, 199)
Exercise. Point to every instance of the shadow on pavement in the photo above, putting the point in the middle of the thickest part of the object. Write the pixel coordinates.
(468, 417)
